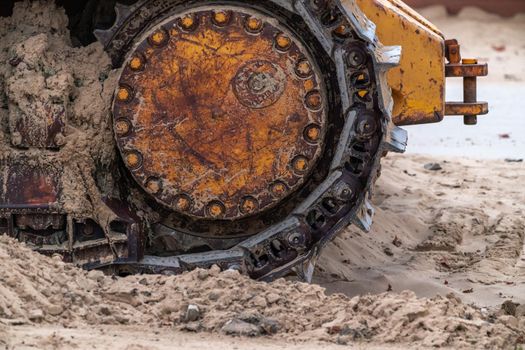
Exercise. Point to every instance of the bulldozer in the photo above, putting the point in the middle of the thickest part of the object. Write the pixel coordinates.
(248, 133)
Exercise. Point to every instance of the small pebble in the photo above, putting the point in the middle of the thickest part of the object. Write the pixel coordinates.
(36, 315)
(192, 313)
(433, 166)
(241, 328)
(272, 298)
(388, 251)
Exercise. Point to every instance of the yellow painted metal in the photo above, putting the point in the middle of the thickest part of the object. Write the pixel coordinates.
(418, 84)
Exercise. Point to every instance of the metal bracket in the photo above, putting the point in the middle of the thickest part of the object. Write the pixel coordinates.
(469, 70)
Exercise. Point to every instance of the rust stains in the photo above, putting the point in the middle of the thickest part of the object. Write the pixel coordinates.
(228, 115)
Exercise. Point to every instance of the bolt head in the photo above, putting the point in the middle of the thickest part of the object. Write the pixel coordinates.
(360, 80)
(216, 209)
(300, 164)
(183, 203)
(366, 125)
(249, 205)
(279, 189)
(221, 18)
(318, 5)
(133, 160)
(356, 57)
(363, 95)
(123, 94)
(303, 68)
(122, 127)
(342, 31)
(188, 22)
(295, 239)
(158, 38)
(254, 25)
(136, 63)
(154, 185)
(258, 82)
(283, 42)
(312, 133)
(314, 100)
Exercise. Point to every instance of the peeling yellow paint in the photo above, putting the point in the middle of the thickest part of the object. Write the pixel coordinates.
(418, 83)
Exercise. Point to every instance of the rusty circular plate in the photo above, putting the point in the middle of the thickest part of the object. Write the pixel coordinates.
(221, 114)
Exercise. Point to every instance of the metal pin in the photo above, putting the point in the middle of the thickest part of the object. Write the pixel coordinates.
(470, 92)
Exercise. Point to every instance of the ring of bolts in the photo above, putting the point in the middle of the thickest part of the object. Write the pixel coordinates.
(313, 101)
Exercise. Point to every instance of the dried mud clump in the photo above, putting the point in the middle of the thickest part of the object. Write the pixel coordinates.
(42, 74)
(39, 290)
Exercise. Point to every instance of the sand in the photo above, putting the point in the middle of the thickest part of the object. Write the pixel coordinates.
(445, 254)
(43, 292)
(444, 265)
(458, 229)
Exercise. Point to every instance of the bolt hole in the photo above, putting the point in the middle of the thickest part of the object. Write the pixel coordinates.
(315, 219)
(329, 18)
(277, 249)
(360, 80)
(355, 166)
(359, 147)
(259, 261)
(118, 226)
(330, 205)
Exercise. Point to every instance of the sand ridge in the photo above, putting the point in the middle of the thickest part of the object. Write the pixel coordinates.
(460, 229)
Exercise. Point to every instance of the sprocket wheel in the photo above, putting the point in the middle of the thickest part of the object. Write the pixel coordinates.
(254, 129)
